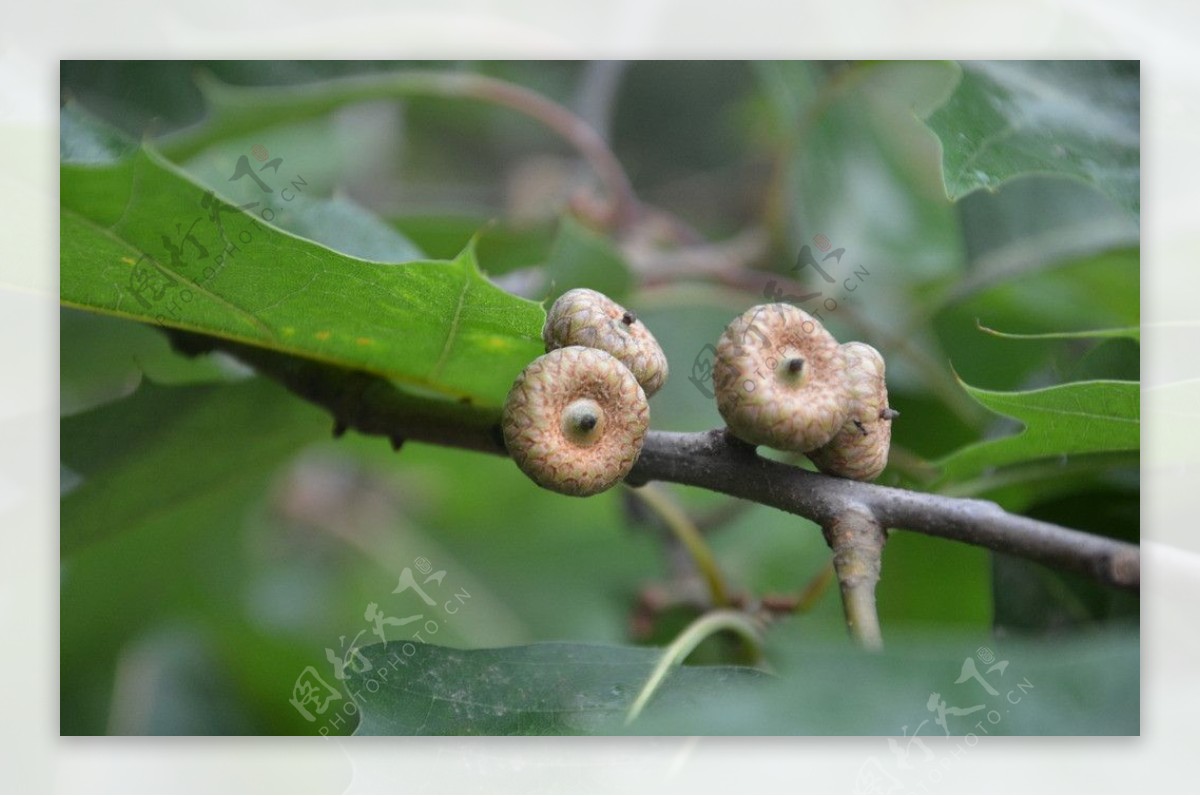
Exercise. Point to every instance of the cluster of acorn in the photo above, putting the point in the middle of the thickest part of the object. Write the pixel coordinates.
(576, 417)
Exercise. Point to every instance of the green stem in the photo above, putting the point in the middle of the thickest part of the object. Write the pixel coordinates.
(682, 527)
(685, 644)
(857, 541)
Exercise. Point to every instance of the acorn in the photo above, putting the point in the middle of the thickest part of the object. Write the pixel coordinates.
(860, 448)
(575, 420)
(780, 380)
(584, 317)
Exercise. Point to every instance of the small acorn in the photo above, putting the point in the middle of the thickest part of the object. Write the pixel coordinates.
(779, 379)
(575, 420)
(860, 448)
(591, 319)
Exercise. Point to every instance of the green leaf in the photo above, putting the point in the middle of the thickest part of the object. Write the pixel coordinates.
(583, 258)
(103, 358)
(126, 251)
(1068, 419)
(1130, 332)
(540, 689)
(1099, 291)
(1085, 684)
(1073, 118)
(1080, 685)
(140, 463)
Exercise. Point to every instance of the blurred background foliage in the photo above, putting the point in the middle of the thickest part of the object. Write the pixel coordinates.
(229, 540)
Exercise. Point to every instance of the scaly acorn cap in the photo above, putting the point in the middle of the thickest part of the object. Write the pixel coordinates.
(588, 318)
(860, 448)
(575, 420)
(780, 379)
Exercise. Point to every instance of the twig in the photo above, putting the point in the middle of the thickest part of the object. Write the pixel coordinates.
(857, 542)
(712, 460)
(814, 589)
(689, 536)
(686, 642)
(719, 462)
(243, 110)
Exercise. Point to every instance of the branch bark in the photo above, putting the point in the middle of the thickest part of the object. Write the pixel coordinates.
(717, 461)
(713, 460)
(857, 541)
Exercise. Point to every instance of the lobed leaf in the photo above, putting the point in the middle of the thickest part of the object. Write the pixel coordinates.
(1068, 419)
(142, 240)
(1074, 118)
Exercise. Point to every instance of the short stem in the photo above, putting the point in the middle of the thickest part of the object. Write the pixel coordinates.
(857, 540)
(682, 527)
(685, 644)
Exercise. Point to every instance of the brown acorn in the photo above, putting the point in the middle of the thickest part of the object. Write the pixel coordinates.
(860, 448)
(588, 318)
(779, 379)
(575, 420)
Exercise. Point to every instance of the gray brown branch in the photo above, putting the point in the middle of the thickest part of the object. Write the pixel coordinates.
(711, 460)
(717, 461)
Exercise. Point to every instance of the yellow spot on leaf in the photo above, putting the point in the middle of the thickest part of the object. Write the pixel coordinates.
(494, 343)
(322, 335)
(289, 330)
(364, 341)
(129, 261)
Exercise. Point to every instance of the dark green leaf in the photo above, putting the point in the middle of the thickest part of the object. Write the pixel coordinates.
(540, 689)
(164, 451)
(1085, 684)
(1076, 118)
(103, 358)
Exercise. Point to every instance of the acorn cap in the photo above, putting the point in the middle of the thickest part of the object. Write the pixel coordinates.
(860, 448)
(779, 379)
(588, 318)
(575, 420)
